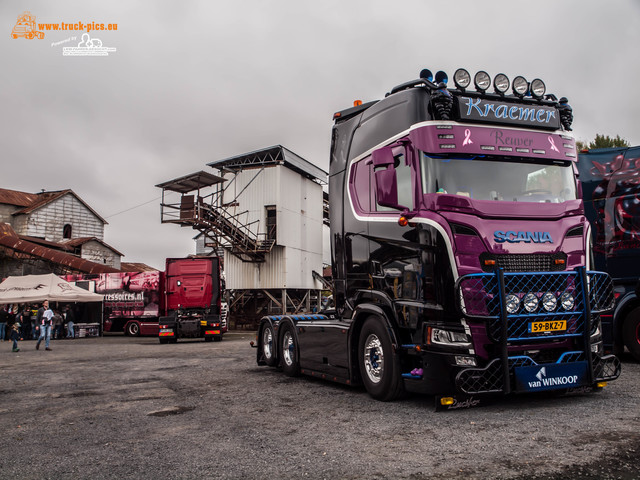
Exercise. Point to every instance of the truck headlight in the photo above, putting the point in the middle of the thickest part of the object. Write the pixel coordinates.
(448, 337)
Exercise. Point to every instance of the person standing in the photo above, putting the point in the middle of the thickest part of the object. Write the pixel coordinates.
(45, 325)
(57, 325)
(14, 332)
(3, 321)
(26, 322)
(70, 320)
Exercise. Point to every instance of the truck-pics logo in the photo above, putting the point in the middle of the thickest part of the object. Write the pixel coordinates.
(526, 237)
(26, 27)
(88, 47)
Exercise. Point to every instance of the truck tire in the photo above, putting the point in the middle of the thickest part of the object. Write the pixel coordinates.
(631, 332)
(133, 329)
(289, 353)
(268, 345)
(379, 368)
(208, 339)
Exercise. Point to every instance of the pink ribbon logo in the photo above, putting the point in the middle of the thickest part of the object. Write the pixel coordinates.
(553, 145)
(467, 137)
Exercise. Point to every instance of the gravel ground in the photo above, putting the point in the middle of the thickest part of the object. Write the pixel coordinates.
(119, 407)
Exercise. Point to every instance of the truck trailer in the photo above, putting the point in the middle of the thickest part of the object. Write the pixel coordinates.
(460, 250)
(184, 301)
(610, 180)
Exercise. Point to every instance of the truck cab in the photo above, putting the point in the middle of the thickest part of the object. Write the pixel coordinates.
(459, 250)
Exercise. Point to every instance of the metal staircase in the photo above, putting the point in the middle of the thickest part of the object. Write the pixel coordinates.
(209, 216)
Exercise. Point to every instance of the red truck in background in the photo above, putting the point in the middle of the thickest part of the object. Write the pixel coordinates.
(184, 301)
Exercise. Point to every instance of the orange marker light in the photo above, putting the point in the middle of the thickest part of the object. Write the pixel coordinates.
(337, 115)
(559, 261)
(490, 262)
(357, 103)
(403, 222)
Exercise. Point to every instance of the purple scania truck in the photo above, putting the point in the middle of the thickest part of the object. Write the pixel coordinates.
(460, 250)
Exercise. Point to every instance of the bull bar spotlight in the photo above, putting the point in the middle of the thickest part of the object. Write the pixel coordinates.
(530, 302)
(567, 301)
(461, 78)
(520, 86)
(501, 83)
(549, 302)
(482, 81)
(512, 304)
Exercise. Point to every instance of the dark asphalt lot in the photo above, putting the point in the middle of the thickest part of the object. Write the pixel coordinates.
(120, 407)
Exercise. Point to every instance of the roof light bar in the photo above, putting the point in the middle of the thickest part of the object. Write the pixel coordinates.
(461, 78)
(501, 83)
(538, 88)
(482, 81)
(520, 86)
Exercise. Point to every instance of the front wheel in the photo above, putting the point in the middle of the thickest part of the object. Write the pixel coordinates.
(133, 329)
(631, 332)
(378, 366)
(289, 353)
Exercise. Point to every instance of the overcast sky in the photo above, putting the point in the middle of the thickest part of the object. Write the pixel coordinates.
(195, 81)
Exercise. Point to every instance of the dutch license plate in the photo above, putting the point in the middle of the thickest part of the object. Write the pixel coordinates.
(550, 326)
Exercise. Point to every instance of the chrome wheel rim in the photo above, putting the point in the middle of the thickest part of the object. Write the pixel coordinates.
(288, 354)
(267, 343)
(373, 358)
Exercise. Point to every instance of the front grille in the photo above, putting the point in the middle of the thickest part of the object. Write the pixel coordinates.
(536, 262)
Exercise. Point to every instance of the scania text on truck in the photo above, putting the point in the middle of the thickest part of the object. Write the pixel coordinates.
(459, 249)
(610, 180)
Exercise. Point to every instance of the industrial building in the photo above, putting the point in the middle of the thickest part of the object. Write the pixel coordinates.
(264, 211)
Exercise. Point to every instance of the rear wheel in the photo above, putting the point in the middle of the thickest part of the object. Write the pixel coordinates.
(290, 362)
(631, 332)
(163, 340)
(208, 339)
(378, 366)
(217, 338)
(268, 346)
(133, 329)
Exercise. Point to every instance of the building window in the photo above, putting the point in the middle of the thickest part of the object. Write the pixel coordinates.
(272, 231)
(66, 231)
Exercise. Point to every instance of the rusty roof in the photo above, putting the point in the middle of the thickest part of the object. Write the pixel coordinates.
(136, 267)
(44, 198)
(11, 241)
(75, 242)
(19, 199)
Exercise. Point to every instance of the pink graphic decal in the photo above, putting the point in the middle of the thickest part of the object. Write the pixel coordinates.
(467, 138)
(553, 145)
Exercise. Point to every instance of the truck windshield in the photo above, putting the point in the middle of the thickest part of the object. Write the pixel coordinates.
(501, 180)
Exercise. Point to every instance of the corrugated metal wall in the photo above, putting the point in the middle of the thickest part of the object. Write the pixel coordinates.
(298, 249)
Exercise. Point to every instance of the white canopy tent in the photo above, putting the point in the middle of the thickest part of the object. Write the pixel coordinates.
(37, 288)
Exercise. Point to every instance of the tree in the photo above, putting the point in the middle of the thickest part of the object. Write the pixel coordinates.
(603, 141)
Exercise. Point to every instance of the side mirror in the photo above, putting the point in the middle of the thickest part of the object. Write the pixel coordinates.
(385, 177)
